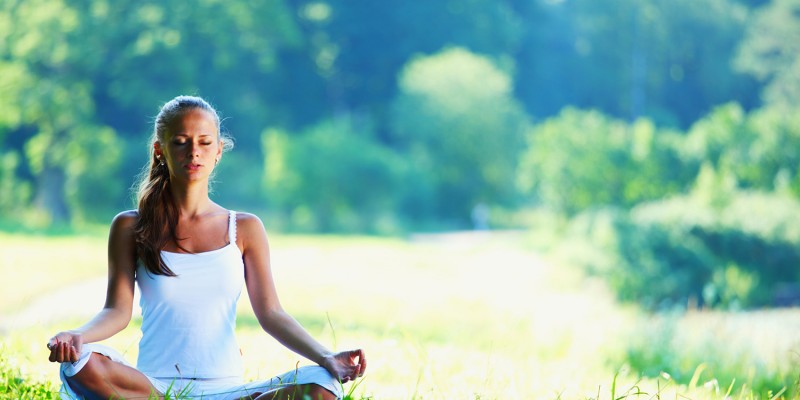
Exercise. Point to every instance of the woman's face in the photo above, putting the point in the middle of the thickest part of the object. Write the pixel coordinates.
(192, 147)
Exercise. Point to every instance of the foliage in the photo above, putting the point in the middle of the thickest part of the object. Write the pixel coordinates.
(667, 61)
(332, 178)
(14, 192)
(362, 46)
(770, 51)
(355, 117)
(75, 105)
(755, 150)
(581, 159)
(686, 250)
(457, 120)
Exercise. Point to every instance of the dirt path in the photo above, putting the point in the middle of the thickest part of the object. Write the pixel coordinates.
(84, 299)
(80, 300)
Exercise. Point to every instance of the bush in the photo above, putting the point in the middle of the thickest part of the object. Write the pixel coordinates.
(739, 254)
(333, 178)
(582, 159)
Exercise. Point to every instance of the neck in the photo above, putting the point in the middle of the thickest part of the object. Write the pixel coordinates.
(192, 199)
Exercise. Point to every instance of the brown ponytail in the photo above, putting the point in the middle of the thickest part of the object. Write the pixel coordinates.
(158, 213)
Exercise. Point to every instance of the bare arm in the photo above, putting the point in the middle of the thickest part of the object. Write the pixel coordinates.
(271, 315)
(116, 313)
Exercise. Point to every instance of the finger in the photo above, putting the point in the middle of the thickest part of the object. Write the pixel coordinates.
(73, 354)
(362, 362)
(54, 345)
(60, 349)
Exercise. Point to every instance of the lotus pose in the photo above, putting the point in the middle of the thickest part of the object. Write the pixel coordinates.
(190, 257)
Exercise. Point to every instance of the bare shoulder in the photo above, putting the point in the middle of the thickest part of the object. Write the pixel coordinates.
(250, 229)
(122, 226)
(125, 220)
(121, 236)
(247, 223)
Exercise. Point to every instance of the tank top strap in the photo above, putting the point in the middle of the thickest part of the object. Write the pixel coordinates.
(232, 226)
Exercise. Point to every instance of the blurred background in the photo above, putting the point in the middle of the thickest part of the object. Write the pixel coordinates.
(645, 147)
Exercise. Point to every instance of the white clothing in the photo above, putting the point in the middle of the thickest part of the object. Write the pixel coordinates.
(205, 389)
(189, 320)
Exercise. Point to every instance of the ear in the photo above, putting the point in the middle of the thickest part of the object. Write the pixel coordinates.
(219, 149)
(157, 149)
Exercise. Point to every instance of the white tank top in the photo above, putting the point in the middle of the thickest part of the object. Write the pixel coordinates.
(188, 321)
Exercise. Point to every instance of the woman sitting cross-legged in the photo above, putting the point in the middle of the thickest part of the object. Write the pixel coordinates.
(190, 258)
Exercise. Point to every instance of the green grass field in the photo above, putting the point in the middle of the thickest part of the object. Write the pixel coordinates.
(464, 316)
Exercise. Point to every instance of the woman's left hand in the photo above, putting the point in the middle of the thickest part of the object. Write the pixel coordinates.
(346, 365)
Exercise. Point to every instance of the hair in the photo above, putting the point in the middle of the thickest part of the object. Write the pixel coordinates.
(158, 212)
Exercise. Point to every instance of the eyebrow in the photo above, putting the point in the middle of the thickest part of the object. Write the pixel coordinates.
(185, 135)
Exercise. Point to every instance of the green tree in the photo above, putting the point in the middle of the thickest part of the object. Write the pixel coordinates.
(695, 249)
(83, 78)
(771, 51)
(457, 119)
(756, 150)
(362, 45)
(332, 177)
(53, 104)
(582, 159)
(668, 61)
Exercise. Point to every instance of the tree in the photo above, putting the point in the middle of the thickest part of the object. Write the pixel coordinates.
(770, 51)
(52, 105)
(667, 61)
(332, 177)
(457, 119)
(756, 150)
(84, 77)
(582, 159)
(361, 46)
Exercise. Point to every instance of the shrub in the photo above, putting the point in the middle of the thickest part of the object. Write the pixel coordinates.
(683, 250)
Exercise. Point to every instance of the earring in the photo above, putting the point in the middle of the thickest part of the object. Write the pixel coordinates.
(216, 160)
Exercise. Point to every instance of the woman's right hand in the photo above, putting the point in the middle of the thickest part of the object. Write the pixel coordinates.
(65, 347)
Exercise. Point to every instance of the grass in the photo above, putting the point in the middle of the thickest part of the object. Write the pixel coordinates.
(31, 265)
(14, 385)
(456, 317)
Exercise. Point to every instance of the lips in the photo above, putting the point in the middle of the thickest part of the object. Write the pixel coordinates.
(193, 167)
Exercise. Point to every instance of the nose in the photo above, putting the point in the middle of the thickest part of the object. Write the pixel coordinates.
(194, 150)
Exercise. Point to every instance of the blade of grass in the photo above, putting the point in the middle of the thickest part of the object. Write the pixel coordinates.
(696, 376)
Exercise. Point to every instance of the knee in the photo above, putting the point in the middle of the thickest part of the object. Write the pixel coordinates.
(90, 379)
(317, 392)
(310, 391)
(94, 367)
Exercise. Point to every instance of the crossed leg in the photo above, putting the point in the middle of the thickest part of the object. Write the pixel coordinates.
(102, 378)
(294, 392)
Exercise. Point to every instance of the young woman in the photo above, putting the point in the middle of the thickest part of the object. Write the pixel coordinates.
(190, 258)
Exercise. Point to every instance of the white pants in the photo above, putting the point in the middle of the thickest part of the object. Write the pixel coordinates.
(207, 389)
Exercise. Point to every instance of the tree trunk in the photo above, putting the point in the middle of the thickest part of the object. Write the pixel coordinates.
(50, 194)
